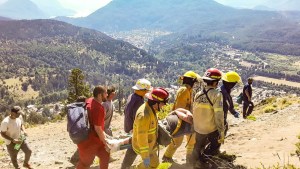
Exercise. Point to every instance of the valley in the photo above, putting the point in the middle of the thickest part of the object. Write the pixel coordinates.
(158, 40)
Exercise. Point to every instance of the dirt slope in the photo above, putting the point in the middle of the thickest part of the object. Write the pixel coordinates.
(269, 140)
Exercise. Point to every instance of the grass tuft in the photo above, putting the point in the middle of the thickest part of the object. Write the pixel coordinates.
(164, 165)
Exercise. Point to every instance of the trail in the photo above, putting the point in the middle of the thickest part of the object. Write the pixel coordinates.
(268, 140)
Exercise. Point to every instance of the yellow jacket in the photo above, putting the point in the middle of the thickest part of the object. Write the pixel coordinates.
(183, 98)
(144, 131)
(208, 118)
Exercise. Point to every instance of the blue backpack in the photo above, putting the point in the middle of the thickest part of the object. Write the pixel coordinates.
(78, 123)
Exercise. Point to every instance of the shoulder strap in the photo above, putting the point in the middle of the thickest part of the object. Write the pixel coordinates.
(205, 92)
(78, 118)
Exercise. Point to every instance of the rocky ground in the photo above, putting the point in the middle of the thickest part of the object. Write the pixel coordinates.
(269, 140)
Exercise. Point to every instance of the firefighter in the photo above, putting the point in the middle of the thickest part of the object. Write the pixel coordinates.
(184, 99)
(144, 139)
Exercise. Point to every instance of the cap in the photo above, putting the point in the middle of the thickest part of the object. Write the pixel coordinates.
(17, 109)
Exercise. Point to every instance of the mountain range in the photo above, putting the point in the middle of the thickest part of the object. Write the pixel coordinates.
(33, 9)
(21, 9)
(243, 28)
(170, 15)
(278, 5)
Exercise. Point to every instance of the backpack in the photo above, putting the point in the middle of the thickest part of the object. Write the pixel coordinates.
(239, 98)
(78, 123)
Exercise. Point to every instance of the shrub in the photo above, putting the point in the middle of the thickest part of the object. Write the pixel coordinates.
(1, 142)
(36, 118)
(56, 118)
(164, 165)
(253, 118)
(269, 109)
(268, 100)
(165, 111)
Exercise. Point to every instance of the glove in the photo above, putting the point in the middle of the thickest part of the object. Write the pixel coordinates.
(146, 162)
(236, 115)
(222, 138)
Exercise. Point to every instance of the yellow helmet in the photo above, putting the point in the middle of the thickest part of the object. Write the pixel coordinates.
(232, 77)
(192, 75)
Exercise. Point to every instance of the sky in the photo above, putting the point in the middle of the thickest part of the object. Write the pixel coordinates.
(86, 7)
(83, 7)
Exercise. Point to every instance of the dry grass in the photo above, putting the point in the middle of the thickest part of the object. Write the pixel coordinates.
(14, 87)
(273, 104)
(297, 64)
(246, 64)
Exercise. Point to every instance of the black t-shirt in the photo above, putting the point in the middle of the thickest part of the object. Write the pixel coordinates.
(249, 89)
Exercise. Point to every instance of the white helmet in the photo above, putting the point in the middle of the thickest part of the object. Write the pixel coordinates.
(142, 84)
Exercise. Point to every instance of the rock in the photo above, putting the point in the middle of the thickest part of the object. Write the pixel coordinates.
(59, 162)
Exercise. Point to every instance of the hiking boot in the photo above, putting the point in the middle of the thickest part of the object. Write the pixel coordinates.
(167, 159)
(26, 165)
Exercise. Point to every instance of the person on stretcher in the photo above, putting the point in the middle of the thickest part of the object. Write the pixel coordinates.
(177, 123)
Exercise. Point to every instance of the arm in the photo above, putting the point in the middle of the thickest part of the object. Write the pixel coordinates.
(184, 115)
(181, 96)
(16, 141)
(248, 95)
(100, 134)
(131, 110)
(23, 129)
(219, 116)
(231, 108)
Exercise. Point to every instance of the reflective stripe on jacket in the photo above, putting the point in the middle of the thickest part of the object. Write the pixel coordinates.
(183, 98)
(144, 131)
(208, 118)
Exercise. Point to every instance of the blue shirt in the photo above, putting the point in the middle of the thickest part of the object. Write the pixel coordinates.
(134, 101)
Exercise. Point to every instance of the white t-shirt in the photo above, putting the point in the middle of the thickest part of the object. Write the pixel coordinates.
(12, 127)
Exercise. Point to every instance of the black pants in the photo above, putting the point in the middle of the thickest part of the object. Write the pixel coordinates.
(206, 145)
(129, 158)
(14, 153)
(247, 108)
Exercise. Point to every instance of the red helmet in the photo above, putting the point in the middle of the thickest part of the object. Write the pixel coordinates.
(212, 74)
(159, 95)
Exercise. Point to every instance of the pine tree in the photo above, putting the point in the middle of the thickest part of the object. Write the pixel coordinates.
(77, 86)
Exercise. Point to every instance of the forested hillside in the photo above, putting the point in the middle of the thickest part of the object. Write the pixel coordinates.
(253, 30)
(44, 52)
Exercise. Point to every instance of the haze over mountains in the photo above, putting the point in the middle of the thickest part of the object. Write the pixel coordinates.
(274, 5)
(243, 28)
(33, 9)
(170, 15)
